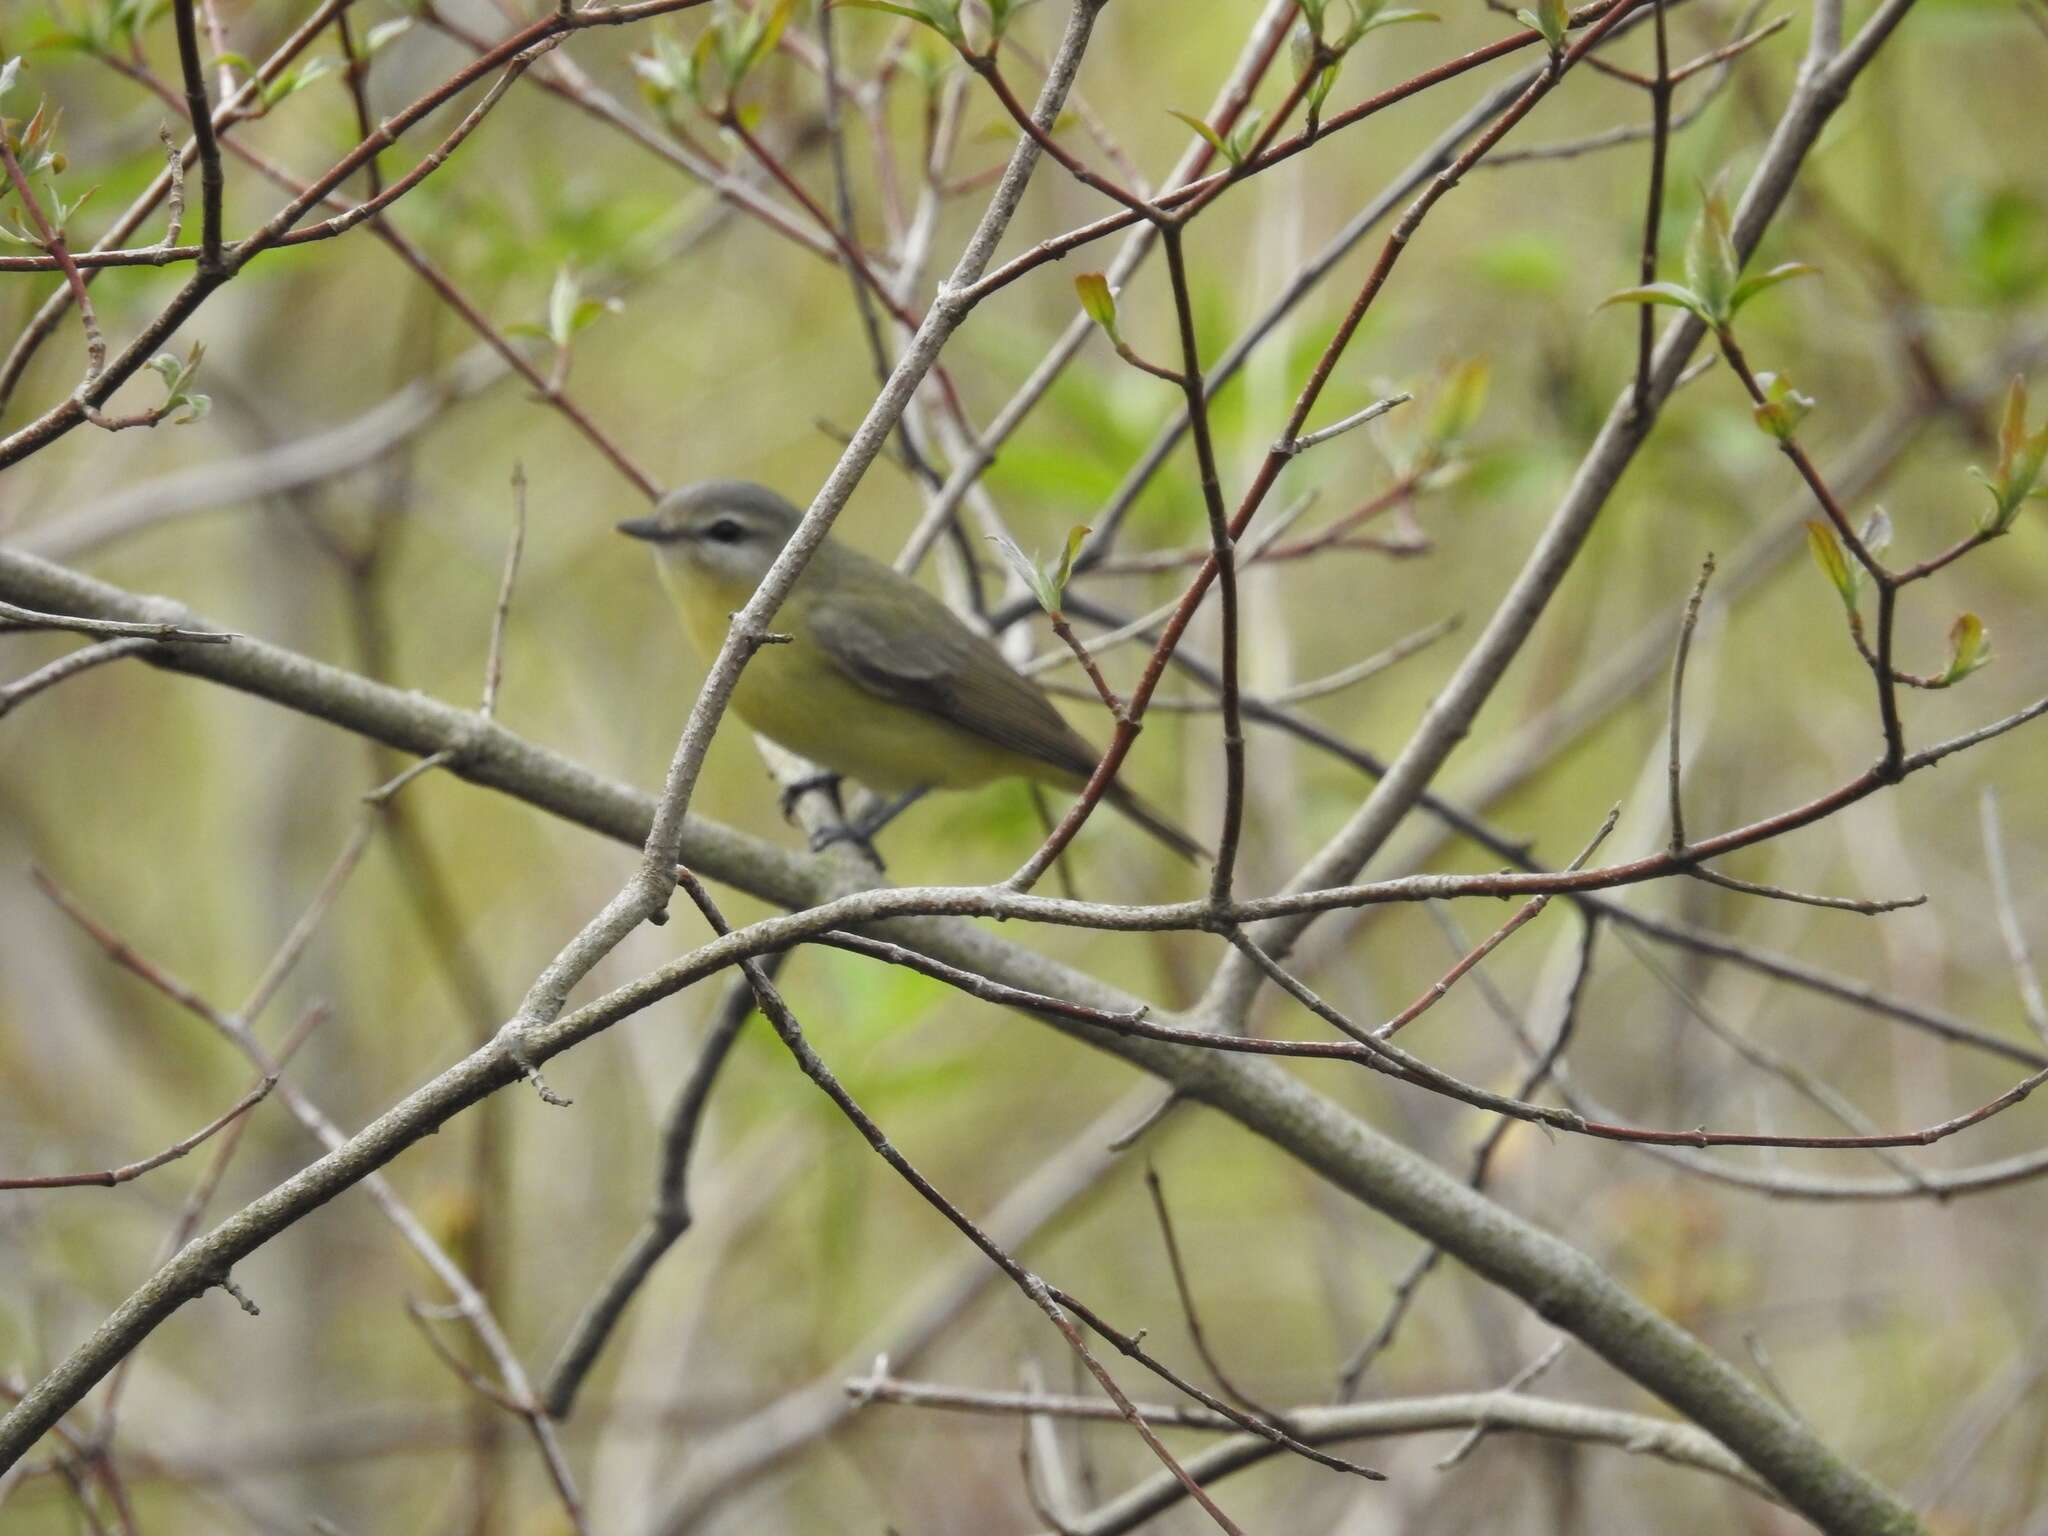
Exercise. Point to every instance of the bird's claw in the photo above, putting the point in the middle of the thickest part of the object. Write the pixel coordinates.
(858, 835)
(794, 792)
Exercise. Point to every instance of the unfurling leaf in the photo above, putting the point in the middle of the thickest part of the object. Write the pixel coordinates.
(1043, 584)
(1458, 406)
(569, 311)
(2012, 427)
(1876, 532)
(1783, 406)
(880, 5)
(1750, 287)
(385, 32)
(1969, 647)
(999, 14)
(1215, 140)
(1549, 19)
(1714, 288)
(942, 16)
(292, 81)
(1076, 537)
(1244, 136)
(1711, 264)
(1394, 19)
(1827, 554)
(1302, 41)
(1097, 301)
(177, 374)
(2021, 457)
(666, 73)
(1320, 91)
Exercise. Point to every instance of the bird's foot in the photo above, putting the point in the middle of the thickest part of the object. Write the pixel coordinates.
(858, 834)
(793, 792)
(860, 830)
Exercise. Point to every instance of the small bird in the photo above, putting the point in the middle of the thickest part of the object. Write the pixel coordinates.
(880, 680)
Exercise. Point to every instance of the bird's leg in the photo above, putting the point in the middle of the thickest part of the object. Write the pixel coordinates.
(824, 780)
(860, 830)
(887, 811)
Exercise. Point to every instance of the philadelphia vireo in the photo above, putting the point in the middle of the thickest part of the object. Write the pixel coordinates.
(880, 680)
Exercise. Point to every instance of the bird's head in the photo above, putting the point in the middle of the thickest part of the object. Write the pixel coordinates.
(729, 530)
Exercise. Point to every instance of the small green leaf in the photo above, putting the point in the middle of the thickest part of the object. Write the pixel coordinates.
(1827, 554)
(1097, 301)
(1969, 647)
(2012, 427)
(747, 37)
(293, 81)
(385, 32)
(563, 298)
(1302, 43)
(2021, 458)
(1320, 91)
(1711, 265)
(1037, 579)
(666, 72)
(942, 16)
(1783, 408)
(1458, 406)
(1550, 20)
(1750, 287)
(2027, 466)
(1000, 13)
(1076, 537)
(1674, 294)
(1214, 139)
(1395, 19)
(700, 65)
(880, 5)
(1245, 135)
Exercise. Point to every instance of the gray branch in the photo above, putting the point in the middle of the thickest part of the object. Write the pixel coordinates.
(1562, 1284)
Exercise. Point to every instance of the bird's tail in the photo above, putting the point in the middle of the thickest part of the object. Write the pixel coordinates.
(1157, 825)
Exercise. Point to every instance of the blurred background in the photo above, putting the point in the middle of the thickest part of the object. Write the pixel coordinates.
(199, 824)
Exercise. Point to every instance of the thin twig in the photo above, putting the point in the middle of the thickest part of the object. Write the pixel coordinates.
(1185, 1290)
(1292, 447)
(669, 1216)
(2010, 927)
(82, 660)
(109, 1177)
(12, 617)
(1674, 769)
(1528, 912)
(494, 666)
(812, 1065)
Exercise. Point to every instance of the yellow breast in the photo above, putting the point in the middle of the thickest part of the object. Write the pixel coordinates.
(795, 695)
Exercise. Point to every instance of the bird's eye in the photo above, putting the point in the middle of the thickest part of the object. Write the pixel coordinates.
(724, 531)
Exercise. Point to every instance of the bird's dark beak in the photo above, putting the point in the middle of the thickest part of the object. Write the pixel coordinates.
(643, 528)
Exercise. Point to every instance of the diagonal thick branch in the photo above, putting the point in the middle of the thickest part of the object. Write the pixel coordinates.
(1550, 1275)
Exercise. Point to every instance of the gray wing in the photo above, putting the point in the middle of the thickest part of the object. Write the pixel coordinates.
(947, 670)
